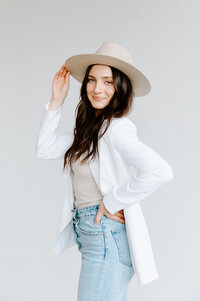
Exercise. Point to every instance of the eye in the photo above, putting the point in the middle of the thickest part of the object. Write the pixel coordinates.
(89, 79)
(108, 82)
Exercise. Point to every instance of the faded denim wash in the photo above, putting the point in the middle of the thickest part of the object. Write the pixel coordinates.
(106, 268)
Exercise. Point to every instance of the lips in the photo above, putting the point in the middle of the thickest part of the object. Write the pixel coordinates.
(98, 98)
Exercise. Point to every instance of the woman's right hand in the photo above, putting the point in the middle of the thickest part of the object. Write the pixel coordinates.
(60, 85)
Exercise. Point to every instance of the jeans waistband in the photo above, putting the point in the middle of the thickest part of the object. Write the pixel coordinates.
(85, 211)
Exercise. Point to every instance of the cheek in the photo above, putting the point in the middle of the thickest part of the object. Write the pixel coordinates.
(110, 91)
(88, 88)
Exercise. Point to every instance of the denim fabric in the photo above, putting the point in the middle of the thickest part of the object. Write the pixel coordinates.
(106, 268)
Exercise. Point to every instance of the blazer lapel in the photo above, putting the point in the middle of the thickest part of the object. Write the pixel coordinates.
(102, 168)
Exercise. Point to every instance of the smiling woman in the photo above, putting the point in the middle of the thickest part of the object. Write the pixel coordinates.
(101, 213)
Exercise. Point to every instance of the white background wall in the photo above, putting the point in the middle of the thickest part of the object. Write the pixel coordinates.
(36, 38)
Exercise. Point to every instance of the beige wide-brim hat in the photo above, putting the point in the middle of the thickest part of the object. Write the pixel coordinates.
(114, 55)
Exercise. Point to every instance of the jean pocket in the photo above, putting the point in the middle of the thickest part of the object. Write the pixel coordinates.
(121, 240)
(85, 225)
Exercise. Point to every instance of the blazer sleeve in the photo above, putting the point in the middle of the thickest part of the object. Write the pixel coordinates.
(50, 144)
(152, 171)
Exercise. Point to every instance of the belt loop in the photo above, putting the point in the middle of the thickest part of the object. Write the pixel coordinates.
(73, 213)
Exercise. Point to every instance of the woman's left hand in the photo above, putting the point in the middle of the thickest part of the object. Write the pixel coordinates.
(118, 216)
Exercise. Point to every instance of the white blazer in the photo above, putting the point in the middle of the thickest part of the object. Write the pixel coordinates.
(126, 172)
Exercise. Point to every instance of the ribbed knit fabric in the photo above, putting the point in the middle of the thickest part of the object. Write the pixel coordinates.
(86, 191)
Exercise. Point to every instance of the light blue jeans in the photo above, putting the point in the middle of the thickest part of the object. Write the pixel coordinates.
(106, 268)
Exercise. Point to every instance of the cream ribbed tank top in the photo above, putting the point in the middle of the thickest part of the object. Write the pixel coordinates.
(86, 191)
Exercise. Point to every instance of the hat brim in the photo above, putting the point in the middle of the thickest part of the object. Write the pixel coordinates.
(77, 65)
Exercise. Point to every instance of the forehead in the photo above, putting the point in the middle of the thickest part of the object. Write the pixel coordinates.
(101, 69)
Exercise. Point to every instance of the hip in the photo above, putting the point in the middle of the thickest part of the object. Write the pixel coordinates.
(105, 241)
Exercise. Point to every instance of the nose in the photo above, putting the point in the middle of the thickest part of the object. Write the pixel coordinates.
(98, 87)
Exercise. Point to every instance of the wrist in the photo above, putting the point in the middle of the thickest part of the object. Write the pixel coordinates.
(55, 104)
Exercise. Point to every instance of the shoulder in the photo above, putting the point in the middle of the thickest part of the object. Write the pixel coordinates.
(123, 133)
(122, 124)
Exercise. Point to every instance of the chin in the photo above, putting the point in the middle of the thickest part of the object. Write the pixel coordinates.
(99, 105)
(95, 106)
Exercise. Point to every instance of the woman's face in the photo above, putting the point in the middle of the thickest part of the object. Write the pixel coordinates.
(100, 87)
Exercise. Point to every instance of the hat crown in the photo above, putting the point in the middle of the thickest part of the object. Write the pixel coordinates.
(115, 50)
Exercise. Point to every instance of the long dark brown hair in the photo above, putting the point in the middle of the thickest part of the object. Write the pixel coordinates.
(88, 125)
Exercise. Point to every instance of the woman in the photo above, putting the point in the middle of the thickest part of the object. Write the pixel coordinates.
(101, 212)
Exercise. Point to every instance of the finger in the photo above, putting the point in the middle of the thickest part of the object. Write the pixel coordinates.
(63, 67)
(122, 221)
(97, 219)
(64, 74)
(59, 73)
(121, 211)
(68, 73)
(118, 219)
(119, 214)
(66, 77)
(62, 71)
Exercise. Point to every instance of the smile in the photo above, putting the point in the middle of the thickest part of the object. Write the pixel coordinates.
(97, 98)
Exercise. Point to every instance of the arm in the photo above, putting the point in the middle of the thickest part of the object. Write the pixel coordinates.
(50, 144)
(152, 170)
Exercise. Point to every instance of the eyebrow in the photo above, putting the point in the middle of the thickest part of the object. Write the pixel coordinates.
(101, 77)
